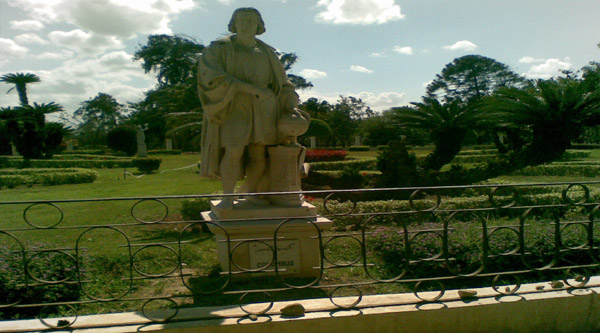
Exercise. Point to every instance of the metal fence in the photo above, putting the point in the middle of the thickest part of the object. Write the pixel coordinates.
(74, 257)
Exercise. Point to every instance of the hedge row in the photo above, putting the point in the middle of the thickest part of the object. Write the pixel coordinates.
(18, 163)
(368, 163)
(84, 151)
(359, 148)
(472, 158)
(12, 178)
(559, 170)
(164, 152)
(88, 157)
(324, 155)
(478, 152)
(401, 211)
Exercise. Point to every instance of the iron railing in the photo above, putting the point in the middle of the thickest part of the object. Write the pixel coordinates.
(73, 257)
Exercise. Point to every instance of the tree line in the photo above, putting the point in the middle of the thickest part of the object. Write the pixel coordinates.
(474, 100)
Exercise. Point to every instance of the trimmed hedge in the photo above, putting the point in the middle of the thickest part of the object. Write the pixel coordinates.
(404, 213)
(359, 148)
(478, 152)
(472, 158)
(147, 164)
(366, 163)
(84, 151)
(18, 163)
(88, 157)
(48, 177)
(559, 170)
(164, 152)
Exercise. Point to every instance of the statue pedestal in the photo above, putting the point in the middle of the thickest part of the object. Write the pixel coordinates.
(246, 236)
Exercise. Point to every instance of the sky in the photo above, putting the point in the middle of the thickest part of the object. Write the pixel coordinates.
(382, 51)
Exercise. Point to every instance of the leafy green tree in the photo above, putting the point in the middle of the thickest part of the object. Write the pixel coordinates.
(555, 111)
(122, 138)
(447, 125)
(319, 129)
(470, 78)
(288, 60)
(344, 119)
(97, 116)
(172, 58)
(20, 80)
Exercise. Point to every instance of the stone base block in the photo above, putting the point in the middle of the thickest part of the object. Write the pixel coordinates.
(246, 247)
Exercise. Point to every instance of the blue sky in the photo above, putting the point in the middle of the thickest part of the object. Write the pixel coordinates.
(383, 51)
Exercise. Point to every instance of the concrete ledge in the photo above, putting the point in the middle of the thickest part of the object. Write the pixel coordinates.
(531, 310)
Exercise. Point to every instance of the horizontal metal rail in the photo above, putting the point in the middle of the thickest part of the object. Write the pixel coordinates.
(141, 251)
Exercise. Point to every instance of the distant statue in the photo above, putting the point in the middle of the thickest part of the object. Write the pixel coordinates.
(244, 90)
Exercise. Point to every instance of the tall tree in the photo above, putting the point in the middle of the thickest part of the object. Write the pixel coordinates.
(97, 116)
(344, 118)
(470, 78)
(288, 60)
(172, 58)
(20, 80)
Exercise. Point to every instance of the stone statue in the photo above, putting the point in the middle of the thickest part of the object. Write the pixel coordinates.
(244, 91)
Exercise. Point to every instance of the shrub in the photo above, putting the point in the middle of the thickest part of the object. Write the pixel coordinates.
(55, 267)
(324, 155)
(359, 148)
(147, 164)
(122, 138)
(190, 210)
(12, 178)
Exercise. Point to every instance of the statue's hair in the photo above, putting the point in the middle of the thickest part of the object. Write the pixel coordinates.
(261, 24)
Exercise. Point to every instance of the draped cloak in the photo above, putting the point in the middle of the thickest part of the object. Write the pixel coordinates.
(219, 88)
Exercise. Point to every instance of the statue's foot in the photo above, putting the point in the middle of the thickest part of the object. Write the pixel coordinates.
(257, 201)
(226, 203)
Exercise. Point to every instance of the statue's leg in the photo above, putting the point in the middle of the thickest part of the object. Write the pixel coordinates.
(255, 170)
(230, 172)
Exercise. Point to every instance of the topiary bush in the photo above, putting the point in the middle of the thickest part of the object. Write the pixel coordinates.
(146, 164)
(122, 138)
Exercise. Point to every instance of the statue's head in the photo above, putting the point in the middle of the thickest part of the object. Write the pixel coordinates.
(261, 24)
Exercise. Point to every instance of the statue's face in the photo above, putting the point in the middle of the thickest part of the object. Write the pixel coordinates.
(246, 23)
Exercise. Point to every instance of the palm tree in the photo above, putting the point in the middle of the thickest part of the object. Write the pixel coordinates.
(20, 80)
(447, 125)
(555, 111)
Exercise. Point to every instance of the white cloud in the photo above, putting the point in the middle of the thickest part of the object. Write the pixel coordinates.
(376, 101)
(30, 38)
(10, 49)
(548, 69)
(119, 18)
(81, 41)
(462, 45)
(62, 55)
(529, 60)
(358, 11)
(383, 101)
(377, 55)
(312, 74)
(29, 25)
(403, 49)
(360, 69)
